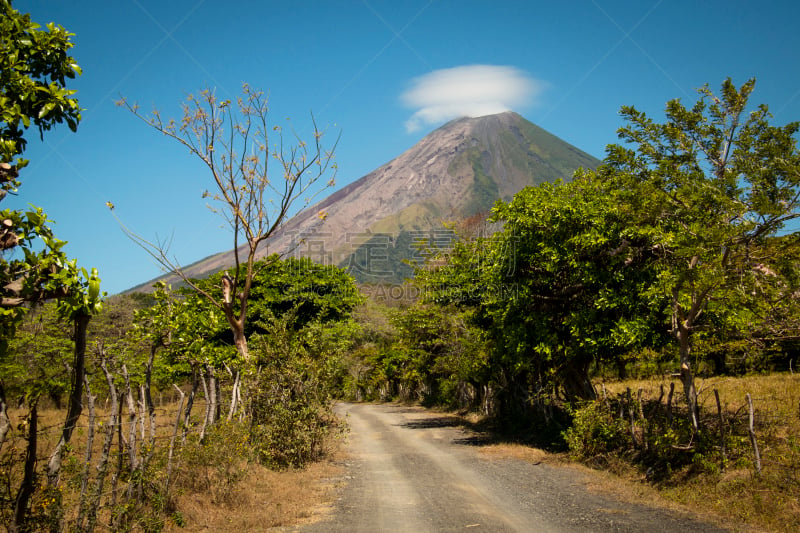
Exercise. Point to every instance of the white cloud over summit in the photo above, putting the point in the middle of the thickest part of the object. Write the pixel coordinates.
(471, 90)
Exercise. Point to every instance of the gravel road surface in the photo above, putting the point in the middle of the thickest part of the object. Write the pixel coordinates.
(412, 470)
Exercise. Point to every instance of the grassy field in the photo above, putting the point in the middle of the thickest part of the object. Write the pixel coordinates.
(725, 481)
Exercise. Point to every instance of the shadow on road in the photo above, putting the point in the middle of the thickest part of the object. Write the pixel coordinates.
(477, 440)
(438, 422)
(473, 434)
(529, 431)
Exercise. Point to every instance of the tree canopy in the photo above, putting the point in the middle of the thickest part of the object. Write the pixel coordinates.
(34, 67)
(679, 233)
(709, 187)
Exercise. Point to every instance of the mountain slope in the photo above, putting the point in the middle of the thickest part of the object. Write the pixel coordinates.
(458, 170)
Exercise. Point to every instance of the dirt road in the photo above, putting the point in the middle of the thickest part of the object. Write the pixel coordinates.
(410, 470)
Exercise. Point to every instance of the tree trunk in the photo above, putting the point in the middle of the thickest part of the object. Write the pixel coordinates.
(172, 440)
(27, 486)
(115, 477)
(752, 431)
(687, 377)
(5, 422)
(622, 368)
(113, 425)
(235, 396)
(207, 415)
(148, 395)
(133, 420)
(190, 401)
(576, 383)
(87, 459)
(74, 409)
(236, 323)
(216, 394)
(669, 402)
(241, 344)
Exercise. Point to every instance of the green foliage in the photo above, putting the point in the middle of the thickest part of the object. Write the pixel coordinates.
(419, 352)
(184, 331)
(291, 400)
(577, 268)
(301, 288)
(559, 288)
(39, 356)
(710, 187)
(34, 67)
(38, 275)
(595, 431)
(308, 290)
(435, 354)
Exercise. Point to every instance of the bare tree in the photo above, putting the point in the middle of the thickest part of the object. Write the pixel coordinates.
(233, 141)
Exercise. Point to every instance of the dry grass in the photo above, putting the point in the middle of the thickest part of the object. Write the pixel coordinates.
(770, 500)
(522, 453)
(264, 500)
(257, 500)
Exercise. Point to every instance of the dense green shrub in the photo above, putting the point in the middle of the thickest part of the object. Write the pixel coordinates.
(291, 401)
(291, 417)
(595, 431)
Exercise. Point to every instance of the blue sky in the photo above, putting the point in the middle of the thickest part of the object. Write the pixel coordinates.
(371, 71)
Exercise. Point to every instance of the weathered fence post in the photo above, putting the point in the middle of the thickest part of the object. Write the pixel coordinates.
(669, 402)
(172, 440)
(753, 435)
(642, 418)
(87, 459)
(633, 420)
(722, 447)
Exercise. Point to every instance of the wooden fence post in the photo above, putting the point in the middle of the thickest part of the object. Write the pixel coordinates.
(642, 418)
(172, 440)
(631, 416)
(669, 402)
(722, 446)
(753, 435)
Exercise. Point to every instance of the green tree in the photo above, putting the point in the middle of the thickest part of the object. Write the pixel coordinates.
(306, 290)
(571, 270)
(310, 291)
(235, 141)
(557, 289)
(39, 356)
(709, 186)
(437, 354)
(34, 68)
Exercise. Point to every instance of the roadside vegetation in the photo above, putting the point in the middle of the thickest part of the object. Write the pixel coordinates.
(674, 262)
(747, 477)
(246, 357)
(641, 318)
(165, 419)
